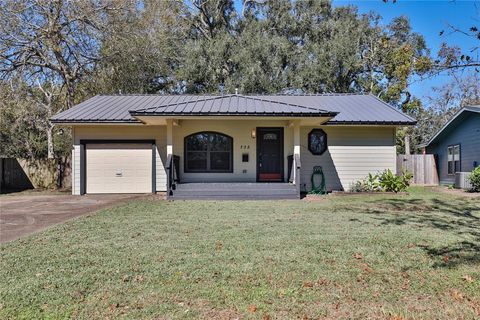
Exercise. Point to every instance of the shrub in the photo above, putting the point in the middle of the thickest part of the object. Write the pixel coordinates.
(393, 183)
(474, 179)
(386, 181)
(369, 184)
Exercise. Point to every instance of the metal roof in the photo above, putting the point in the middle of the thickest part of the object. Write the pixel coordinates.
(354, 108)
(475, 109)
(234, 105)
(346, 108)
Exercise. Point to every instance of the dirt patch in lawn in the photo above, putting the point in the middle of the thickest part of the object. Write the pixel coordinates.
(457, 192)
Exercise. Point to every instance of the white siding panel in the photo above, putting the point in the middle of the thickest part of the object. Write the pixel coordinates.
(160, 175)
(353, 153)
(76, 170)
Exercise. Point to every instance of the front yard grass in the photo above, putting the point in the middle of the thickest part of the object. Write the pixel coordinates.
(376, 256)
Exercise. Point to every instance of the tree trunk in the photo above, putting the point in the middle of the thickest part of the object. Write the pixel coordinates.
(70, 92)
(407, 143)
(50, 153)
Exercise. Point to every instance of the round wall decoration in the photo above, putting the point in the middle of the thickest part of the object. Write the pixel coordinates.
(317, 141)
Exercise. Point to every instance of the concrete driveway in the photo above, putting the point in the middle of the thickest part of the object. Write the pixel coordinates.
(26, 214)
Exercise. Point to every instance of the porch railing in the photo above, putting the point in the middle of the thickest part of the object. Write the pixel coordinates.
(172, 173)
(295, 172)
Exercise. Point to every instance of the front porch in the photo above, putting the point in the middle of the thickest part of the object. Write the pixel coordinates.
(233, 159)
(233, 191)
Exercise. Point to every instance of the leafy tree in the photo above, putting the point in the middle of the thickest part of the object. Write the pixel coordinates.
(451, 57)
(25, 131)
(60, 52)
(305, 46)
(61, 37)
(141, 50)
(48, 47)
(441, 105)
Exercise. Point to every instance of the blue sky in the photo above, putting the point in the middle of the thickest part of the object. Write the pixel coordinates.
(429, 18)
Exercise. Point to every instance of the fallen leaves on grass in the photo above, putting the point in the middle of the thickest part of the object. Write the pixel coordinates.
(252, 308)
(467, 278)
(457, 295)
(318, 283)
(366, 268)
(358, 256)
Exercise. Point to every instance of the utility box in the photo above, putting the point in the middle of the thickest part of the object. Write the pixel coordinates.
(461, 180)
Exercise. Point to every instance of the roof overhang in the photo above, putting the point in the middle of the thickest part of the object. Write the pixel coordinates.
(93, 121)
(372, 123)
(301, 120)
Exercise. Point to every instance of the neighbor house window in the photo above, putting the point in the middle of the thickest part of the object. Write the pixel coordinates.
(317, 141)
(208, 152)
(453, 159)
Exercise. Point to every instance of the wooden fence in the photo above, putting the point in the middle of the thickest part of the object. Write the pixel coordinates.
(422, 166)
(22, 174)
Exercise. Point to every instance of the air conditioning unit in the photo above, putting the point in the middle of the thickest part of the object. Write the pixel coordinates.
(461, 180)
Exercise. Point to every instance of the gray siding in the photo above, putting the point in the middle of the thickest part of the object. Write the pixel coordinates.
(465, 130)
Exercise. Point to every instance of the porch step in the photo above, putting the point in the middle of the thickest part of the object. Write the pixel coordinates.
(235, 191)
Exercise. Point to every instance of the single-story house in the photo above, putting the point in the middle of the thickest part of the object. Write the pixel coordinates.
(228, 144)
(456, 145)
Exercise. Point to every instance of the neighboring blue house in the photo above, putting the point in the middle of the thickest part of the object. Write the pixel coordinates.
(457, 145)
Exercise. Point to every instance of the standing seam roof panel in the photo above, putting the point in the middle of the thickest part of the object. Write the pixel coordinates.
(113, 106)
(84, 114)
(116, 115)
(216, 105)
(115, 109)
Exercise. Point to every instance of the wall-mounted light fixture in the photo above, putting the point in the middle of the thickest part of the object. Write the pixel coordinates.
(254, 133)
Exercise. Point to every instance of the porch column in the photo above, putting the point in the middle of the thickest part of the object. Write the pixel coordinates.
(170, 163)
(296, 138)
(169, 137)
(296, 155)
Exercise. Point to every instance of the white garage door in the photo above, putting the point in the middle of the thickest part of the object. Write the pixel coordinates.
(118, 168)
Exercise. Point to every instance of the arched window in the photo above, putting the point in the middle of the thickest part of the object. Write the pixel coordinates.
(208, 152)
(317, 141)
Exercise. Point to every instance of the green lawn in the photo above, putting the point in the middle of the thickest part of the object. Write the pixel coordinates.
(412, 257)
